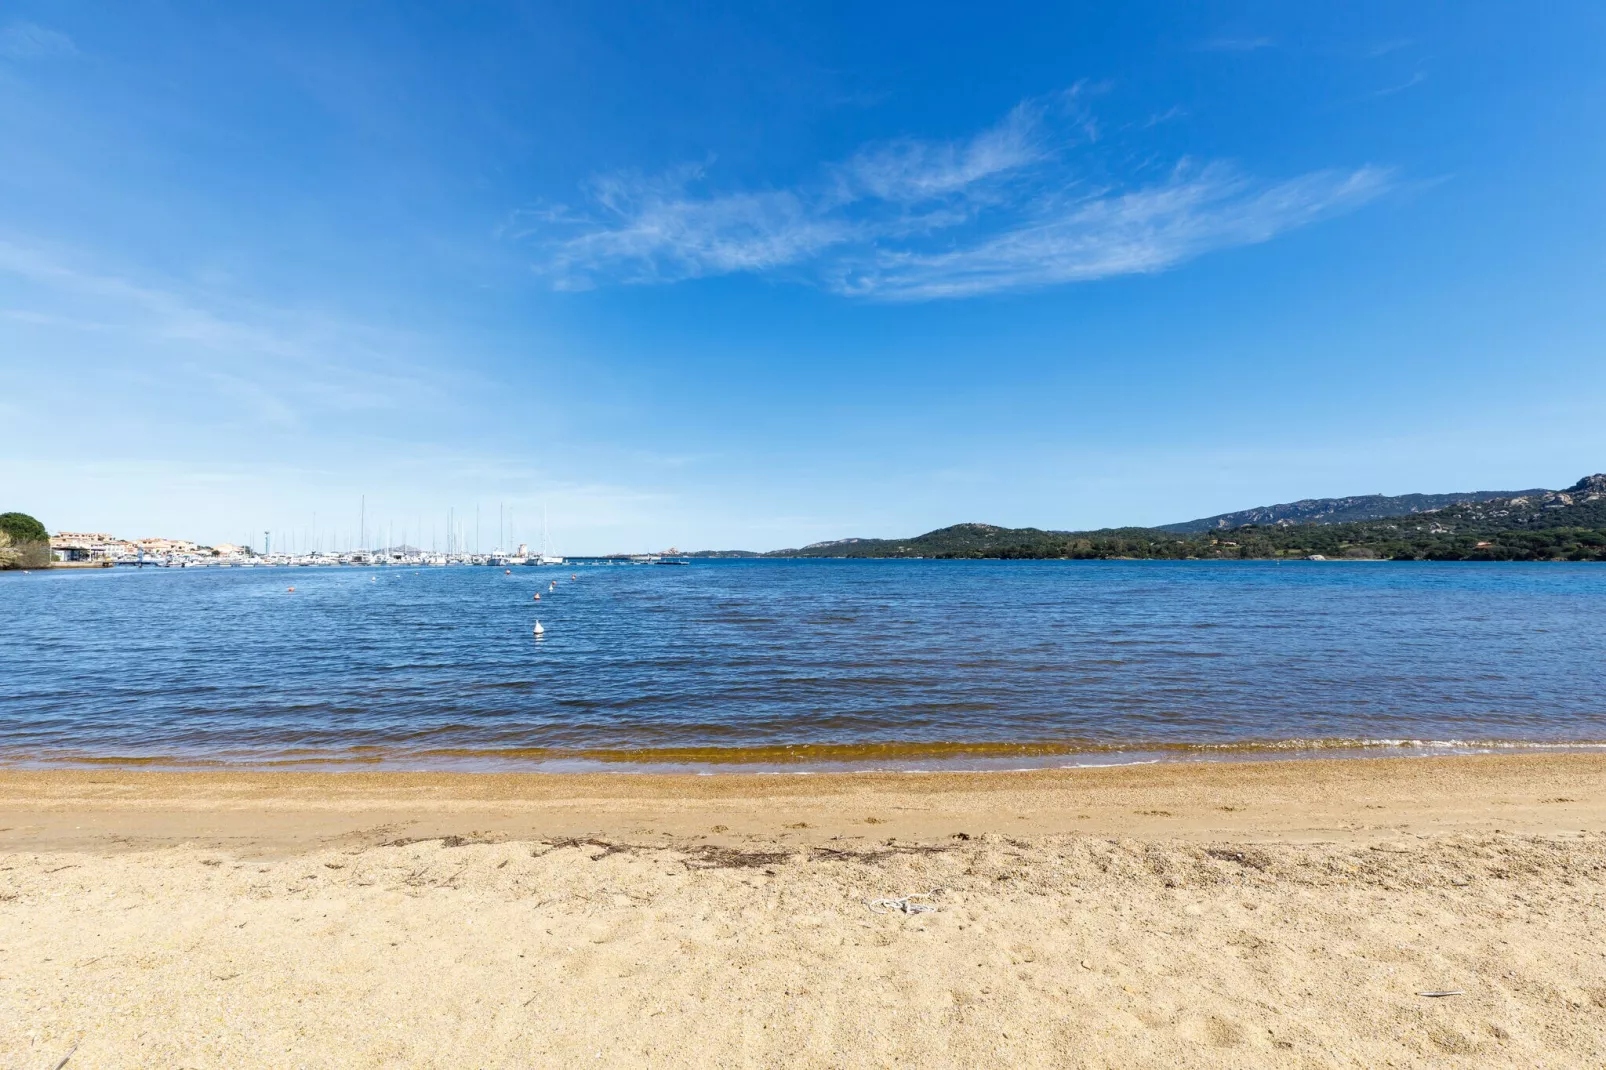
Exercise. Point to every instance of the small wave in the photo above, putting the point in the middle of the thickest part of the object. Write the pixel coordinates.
(890, 757)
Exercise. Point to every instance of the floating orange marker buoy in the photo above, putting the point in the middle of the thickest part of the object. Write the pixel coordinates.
(572, 576)
(507, 572)
(291, 590)
(538, 598)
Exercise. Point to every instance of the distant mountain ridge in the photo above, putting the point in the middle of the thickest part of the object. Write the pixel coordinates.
(1342, 510)
(1542, 525)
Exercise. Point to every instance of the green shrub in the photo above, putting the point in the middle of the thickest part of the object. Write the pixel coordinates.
(24, 542)
(23, 528)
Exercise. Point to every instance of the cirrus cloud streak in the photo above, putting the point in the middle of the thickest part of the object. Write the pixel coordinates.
(1011, 208)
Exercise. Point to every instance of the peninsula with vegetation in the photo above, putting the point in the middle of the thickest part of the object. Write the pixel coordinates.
(1531, 525)
(24, 542)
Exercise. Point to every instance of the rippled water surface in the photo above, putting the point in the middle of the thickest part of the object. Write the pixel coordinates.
(774, 662)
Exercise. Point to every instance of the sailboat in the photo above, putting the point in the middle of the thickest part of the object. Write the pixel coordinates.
(545, 557)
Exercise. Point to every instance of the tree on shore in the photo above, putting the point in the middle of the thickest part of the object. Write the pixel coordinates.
(24, 542)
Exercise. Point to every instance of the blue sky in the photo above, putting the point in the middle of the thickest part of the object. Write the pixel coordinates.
(753, 276)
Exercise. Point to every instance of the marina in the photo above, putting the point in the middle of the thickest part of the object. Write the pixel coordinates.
(84, 549)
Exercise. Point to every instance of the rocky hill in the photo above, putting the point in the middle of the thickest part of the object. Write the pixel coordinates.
(1340, 510)
(1582, 504)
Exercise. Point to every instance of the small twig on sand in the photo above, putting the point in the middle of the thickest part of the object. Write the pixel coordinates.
(1446, 992)
(904, 904)
(64, 1058)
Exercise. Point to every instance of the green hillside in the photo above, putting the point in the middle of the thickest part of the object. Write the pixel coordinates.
(1547, 526)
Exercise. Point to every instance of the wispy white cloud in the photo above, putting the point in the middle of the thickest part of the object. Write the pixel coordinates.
(908, 171)
(1006, 209)
(277, 363)
(658, 230)
(1415, 80)
(1105, 234)
(26, 40)
(1166, 116)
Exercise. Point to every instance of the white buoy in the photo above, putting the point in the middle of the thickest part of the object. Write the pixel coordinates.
(538, 629)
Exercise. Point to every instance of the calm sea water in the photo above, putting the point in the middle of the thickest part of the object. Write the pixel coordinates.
(738, 663)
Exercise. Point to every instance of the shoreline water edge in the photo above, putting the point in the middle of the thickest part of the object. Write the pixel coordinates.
(802, 760)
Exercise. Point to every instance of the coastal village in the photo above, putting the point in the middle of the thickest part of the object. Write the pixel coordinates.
(95, 549)
(85, 549)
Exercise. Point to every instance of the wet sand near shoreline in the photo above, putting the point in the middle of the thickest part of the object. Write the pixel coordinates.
(1235, 914)
(1341, 799)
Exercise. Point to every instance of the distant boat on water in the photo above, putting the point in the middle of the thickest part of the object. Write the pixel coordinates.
(545, 557)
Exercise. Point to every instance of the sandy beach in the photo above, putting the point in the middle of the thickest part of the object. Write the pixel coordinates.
(1235, 914)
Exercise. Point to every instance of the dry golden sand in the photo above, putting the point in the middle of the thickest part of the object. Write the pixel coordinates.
(1264, 914)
